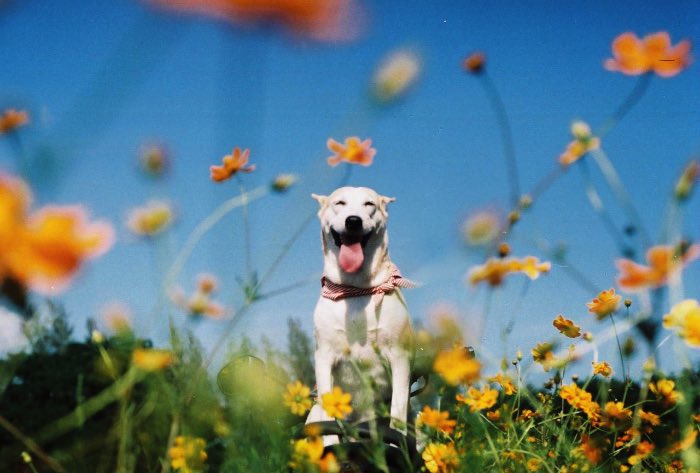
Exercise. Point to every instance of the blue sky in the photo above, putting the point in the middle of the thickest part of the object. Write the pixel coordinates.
(101, 78)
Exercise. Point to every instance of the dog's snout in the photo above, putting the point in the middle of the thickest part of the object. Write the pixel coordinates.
(353, 223)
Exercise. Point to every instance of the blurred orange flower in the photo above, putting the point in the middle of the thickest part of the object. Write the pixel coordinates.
(44, 250)
(478, 400)
(495, 269)
(353, 151)
(583, 142)
(149, 359)
(654, 53)
(325, 20)
(456, 366)
(685, 319)
(580, 399)
(605, 304)
(475, 62)
(663, 261)
(232, 163)
(603, 368)
(566, 326)
(665, 389)
(505, 382)
(437, 420)
(12, 119)
(440, 458)
(200, 302)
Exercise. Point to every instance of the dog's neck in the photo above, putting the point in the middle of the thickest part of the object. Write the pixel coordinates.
(375, 269)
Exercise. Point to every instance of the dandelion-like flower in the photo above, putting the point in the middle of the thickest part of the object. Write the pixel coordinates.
(12, 119)
(298, 398)
(566, 327)
(337, 403)
(440, 458)
(664, 262)
(583, 142)
(654, 53)
(150, 360)
(479, 399)
(602, 368)
(395, 75)
(353, 151)
(684, 318)
(187, 454)
(455, 366)
(151, 219)
(437, 420)
(605, 304)
(231, 164)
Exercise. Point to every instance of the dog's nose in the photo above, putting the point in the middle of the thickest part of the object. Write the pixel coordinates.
(353, 223)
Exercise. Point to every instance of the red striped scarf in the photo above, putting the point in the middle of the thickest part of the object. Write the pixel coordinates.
(333, 291)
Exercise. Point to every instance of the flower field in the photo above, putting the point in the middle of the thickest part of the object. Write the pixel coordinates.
(196, 353)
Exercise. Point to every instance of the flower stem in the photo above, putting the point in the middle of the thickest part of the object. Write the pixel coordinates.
(506, 136)
(623, 109)
(619, 348)
(246, 229)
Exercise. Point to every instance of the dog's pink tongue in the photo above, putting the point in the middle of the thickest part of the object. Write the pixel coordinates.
(351, 257)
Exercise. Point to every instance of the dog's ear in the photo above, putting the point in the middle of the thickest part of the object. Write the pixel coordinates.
(321, 199)
(383, 202)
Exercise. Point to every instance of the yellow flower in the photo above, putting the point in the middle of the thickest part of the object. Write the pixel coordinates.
(617, 410)
(482, 228)
(580, 399)
(685, 319)
(298, 398)
(337, 403)
(478, 400)
(187, 454)
(151, 359)
(566, 326)
(329, 464)
(643, 450)
(543, 354)
(665, 389)
(650, 418)
(283, 182)
(395, 75)
(583, 142)
(602, 368)
(305, 451)
(493, 416)
(150, 219)
(605, 304)
(353, 151)
(437, 420)
(495, 269)
(12, 119)
(440, 458)
(533, 464)
(456, 366)
(505, 382)
(531, 266)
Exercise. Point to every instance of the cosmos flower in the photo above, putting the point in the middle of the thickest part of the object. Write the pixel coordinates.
(437, 420)
(479, 399)
(605, 304)
(187, 455)
(505, 382)
(654, 53)
(590, 449)
(323, 20)
(643, 450)
(440, 458)
(298, 398)
(685, 319)
(200, 302)
(664, 261)
(455, 366)
(232, 164)
(482, 228)
(495, 269)
(580, 399)
(649, 417)
(353, 151)
(149, 359)
(665, 390)
(566, 327)
(603, 368)
(583, 142)
(337, 403)
(395, 75)
(12, 119)
(151, 219)
(475, 62)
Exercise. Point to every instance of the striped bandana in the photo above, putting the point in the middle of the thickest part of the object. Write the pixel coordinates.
(333, 291)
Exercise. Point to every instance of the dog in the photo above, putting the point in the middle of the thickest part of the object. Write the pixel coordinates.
(362, 328)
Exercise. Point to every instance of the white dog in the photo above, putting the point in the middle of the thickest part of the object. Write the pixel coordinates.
(364, 339)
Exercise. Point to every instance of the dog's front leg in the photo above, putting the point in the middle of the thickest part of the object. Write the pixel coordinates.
(324, 384)
(400, 385)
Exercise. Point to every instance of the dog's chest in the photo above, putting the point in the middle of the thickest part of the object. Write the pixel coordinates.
(356, 325)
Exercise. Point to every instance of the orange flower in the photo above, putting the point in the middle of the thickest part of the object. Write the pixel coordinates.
(152, 359)
(643, 450)
(437, 420)
(663, 261)
(231, 164)
(495, 269)
(580, 399)
(605, 304)
(200, 303)
(602, 368)
(505, 382)
(478, 400)
(566, 327)
(475, 62)
(12, 119)
(649, 417)
(50, 246)
(665, 389)
(440, 458)
(455, 366)
(325, 20)
(590, 450)
(583, 142)
(354, 151)
(634, 56)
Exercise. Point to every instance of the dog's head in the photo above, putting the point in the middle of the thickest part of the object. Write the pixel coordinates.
(353, 224)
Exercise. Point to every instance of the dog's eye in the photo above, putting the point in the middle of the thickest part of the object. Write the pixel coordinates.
(339, 202)
(370, 204)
